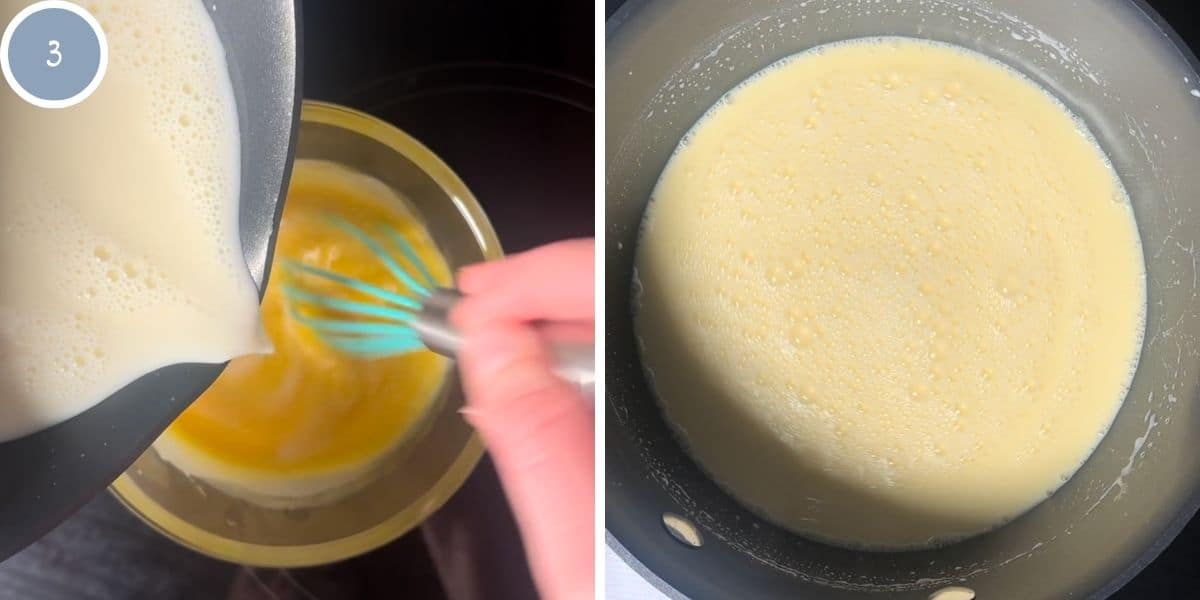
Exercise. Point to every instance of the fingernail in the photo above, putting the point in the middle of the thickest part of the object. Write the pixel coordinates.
(473, 417)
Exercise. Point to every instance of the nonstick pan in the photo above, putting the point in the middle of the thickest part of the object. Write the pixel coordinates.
(1118, 66)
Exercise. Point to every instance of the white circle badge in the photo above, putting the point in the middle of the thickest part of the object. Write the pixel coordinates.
(54, 54)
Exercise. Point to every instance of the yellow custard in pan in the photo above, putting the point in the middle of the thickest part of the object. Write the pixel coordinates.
(305, 423)
(892, 293)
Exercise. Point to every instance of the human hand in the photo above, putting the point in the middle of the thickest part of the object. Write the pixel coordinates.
(538, 429)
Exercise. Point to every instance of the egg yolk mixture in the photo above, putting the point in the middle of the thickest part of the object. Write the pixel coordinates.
(307, 420)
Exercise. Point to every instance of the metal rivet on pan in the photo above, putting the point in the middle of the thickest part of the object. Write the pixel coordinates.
(953, 593)
(683, 530)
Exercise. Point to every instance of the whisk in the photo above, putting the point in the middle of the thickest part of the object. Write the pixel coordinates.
(379, 323)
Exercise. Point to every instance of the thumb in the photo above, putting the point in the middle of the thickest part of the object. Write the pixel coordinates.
(540, 434)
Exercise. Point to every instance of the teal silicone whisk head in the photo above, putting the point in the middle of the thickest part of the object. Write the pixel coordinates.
(356, 317)
(368, 321)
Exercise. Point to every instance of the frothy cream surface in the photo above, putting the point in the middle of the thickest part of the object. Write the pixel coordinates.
(120, 250)
(891, 293)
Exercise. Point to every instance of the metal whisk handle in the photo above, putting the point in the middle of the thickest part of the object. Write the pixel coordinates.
(574, 360)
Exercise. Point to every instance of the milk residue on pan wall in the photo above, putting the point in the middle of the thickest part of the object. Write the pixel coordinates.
(743, 46)
(120, 253)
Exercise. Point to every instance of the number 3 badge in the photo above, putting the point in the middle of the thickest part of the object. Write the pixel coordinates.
(54, 54)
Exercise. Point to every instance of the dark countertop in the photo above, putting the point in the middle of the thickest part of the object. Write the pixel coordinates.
(1176, 572)
(503, 93)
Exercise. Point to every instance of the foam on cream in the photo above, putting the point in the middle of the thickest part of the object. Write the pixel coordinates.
(120, 251)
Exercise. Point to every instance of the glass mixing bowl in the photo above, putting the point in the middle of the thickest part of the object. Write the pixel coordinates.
(419, 475)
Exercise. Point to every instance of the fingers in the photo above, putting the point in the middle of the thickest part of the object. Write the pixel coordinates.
(538, 429)
(554, 282)
(540, 434)
(513, 396)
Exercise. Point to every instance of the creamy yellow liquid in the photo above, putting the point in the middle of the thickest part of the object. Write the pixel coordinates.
(119, 251)
(307, 424)
(892, 293)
